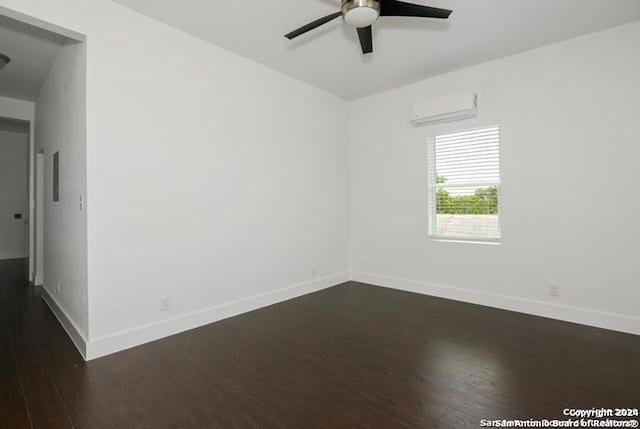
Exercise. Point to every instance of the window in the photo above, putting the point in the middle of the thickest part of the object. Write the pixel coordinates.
(464, 185)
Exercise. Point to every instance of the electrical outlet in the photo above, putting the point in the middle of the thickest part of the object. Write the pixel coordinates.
(314, 271)
(554, 290)
(58, 287)
(166, 304)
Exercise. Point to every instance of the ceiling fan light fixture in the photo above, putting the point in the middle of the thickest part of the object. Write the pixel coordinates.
(360, 13)
(4, 60)
(363, 13)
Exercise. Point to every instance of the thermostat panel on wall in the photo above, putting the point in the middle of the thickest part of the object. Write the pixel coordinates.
(450, 108)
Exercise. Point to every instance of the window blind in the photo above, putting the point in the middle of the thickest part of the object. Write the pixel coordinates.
(464, 185)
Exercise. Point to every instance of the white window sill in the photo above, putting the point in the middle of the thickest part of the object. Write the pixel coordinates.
(465, 241)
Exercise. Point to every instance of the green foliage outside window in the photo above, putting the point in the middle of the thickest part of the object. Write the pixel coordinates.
(483, 202)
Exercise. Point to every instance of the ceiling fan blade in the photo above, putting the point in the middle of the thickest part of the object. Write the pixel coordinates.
(399, 8)
(315, 24)
(366, 39)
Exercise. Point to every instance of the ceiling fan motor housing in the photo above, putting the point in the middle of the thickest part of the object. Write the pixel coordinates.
(360, 13)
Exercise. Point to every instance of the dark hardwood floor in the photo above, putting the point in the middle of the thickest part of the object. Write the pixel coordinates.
(351, 356)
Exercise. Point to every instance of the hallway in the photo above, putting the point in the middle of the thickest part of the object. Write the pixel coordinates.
(34, 351)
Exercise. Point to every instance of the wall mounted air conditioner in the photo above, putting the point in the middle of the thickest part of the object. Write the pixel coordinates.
(455, 107)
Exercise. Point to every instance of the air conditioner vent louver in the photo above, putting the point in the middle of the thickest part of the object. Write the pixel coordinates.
(450, 108)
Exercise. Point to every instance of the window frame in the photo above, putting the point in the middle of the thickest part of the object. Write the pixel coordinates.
(432, 187)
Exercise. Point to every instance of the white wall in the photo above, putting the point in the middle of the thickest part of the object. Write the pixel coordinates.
(570, 133)
(14, 194)
(61, 127)
(23, 110)
(211, 180)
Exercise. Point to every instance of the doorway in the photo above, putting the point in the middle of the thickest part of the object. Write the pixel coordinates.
(38, 265)
(14, 189)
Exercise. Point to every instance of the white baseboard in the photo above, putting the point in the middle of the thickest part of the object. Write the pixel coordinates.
(109, 344)
(72, 330)
(616, 322)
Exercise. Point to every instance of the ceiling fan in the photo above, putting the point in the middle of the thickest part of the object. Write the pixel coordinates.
(361, 14)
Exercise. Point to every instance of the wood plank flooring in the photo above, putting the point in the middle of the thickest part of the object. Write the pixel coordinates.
(351, 356)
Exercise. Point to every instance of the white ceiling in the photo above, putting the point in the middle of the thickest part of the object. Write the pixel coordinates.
(32, 52)
(405, 49)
